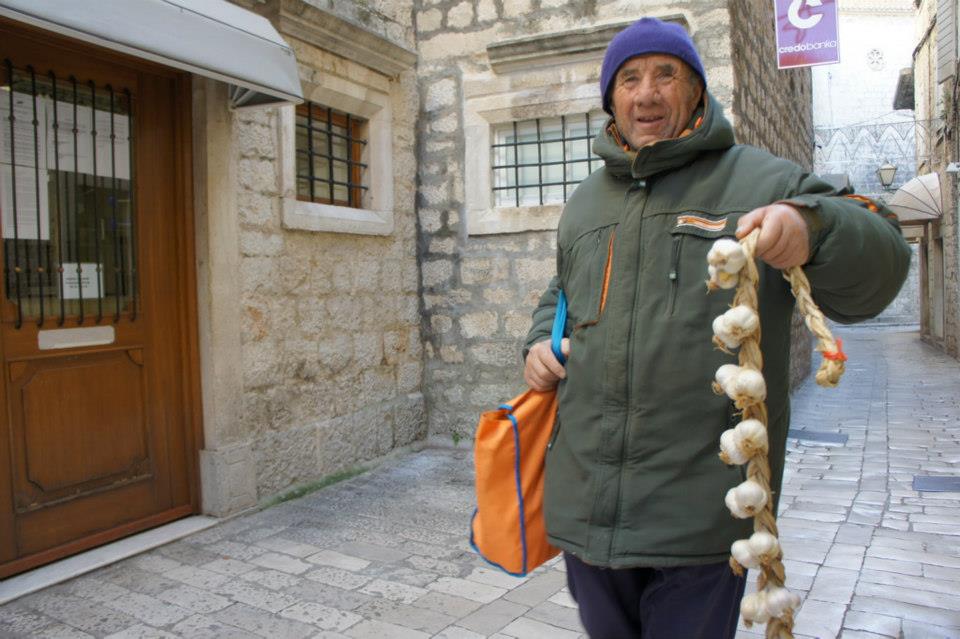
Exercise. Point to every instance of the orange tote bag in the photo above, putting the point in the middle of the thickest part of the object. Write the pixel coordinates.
(509, 451)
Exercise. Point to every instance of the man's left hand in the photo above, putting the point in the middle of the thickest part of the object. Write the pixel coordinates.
(784, 239)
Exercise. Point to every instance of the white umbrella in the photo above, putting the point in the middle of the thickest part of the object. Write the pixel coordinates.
(918, 200)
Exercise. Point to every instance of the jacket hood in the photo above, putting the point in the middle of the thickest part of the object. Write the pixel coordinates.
(714, 133)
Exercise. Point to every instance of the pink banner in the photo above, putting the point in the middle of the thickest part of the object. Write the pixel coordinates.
(807, 33)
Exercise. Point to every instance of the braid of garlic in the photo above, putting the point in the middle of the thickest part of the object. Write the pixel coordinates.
(732, 265)
(772, 573)
(832, 367)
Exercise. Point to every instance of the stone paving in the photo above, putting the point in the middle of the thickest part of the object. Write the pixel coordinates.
(384, 555)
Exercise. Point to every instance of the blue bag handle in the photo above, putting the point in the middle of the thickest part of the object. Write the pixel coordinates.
(559, 325)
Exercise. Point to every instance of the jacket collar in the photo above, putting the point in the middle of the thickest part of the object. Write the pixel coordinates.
(713, 133)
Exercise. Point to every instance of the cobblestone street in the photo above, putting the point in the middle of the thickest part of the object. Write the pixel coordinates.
(384, 555)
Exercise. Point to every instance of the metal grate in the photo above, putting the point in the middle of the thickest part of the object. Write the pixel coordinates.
(817, 436)
(66, 198)
(537, 162)
(330, 167)
(936, 484)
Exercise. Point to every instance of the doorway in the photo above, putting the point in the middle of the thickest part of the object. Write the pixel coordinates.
(99, 400)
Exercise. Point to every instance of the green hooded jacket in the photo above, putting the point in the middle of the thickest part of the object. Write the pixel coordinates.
(632, 473)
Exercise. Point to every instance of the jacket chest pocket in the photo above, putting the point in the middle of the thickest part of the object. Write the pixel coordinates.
(691, 238)
(586, 275)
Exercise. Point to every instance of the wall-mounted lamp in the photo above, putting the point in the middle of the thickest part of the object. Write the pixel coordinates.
(886, 173)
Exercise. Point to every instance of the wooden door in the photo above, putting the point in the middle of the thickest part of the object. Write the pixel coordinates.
(97, 336)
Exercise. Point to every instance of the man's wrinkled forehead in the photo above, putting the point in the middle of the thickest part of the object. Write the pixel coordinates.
(660, 62)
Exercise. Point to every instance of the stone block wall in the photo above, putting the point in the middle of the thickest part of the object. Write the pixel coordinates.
(940, 323)
(479, 288)
(331, 351)
(905, 309)
(771, 108)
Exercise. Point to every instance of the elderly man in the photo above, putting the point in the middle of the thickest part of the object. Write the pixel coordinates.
(634, 490)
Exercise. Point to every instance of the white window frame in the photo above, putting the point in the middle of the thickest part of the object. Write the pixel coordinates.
(534, 76)
(376, 217)
(481, 116)
(594, 162)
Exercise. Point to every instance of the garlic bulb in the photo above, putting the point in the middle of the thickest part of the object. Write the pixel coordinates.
(740, 322)
(753, 607)
(727, 255)
(731, 449)
(747, 388)
(722, 332)
(746, 500)
(752, 437)
(764, 546)
(780, 600)
(726, 374)
(721, 279)
(742, 552)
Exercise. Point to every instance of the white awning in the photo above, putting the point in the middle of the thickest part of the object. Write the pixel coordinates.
(212, 38)
(918, 200)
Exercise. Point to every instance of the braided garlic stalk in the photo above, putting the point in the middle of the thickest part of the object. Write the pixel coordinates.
(731, 264)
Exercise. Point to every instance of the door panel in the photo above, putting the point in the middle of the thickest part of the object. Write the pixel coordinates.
(97, 435)
(56, 396)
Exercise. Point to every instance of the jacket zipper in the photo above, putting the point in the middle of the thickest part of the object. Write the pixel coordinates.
(642, 185)
(674, 274)
(556, 431)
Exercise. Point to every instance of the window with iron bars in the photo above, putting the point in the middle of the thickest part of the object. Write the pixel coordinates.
(330, 146)
(67, 210)
(541, 161)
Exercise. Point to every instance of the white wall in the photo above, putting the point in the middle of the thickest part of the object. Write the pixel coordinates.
(856, 91)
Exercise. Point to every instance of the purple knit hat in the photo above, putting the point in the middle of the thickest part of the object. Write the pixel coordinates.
(647, 35)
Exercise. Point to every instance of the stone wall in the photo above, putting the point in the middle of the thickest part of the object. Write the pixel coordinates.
(772, 108)
(330, 341)
(940, 323)
(479, 286)
(905, 309)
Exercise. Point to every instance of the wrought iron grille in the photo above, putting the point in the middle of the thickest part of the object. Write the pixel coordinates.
(539, 161)
(67, 198)
(330, 149)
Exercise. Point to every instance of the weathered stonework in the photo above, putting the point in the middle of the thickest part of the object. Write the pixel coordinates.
(328, 354)
(940, 245)
(330, 338)
(483, 268)
(772, 109)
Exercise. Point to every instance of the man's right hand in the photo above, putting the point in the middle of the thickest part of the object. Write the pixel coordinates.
(542, 370)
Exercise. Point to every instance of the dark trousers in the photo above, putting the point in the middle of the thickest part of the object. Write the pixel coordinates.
(686, 602)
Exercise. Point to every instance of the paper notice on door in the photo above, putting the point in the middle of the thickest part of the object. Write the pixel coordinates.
(76, 153)
(88, 283)
(29, 141)
(32, 203)
(23, 159)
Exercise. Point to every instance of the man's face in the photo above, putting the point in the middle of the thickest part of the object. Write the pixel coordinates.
(653, 97)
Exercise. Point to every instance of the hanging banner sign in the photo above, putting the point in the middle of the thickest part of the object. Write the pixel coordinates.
(807, 33)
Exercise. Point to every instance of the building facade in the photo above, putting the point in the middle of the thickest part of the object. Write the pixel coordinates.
(857, 126)
(235, 295)
(935, 84)
(487, 67)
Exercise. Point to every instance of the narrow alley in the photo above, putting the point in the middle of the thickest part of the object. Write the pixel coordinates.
(385, 555)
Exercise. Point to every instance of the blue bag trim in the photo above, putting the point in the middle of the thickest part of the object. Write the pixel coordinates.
(559, 325)
(556, 337)
(523, 518)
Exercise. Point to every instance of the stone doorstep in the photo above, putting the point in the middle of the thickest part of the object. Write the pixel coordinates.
(65, 569)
